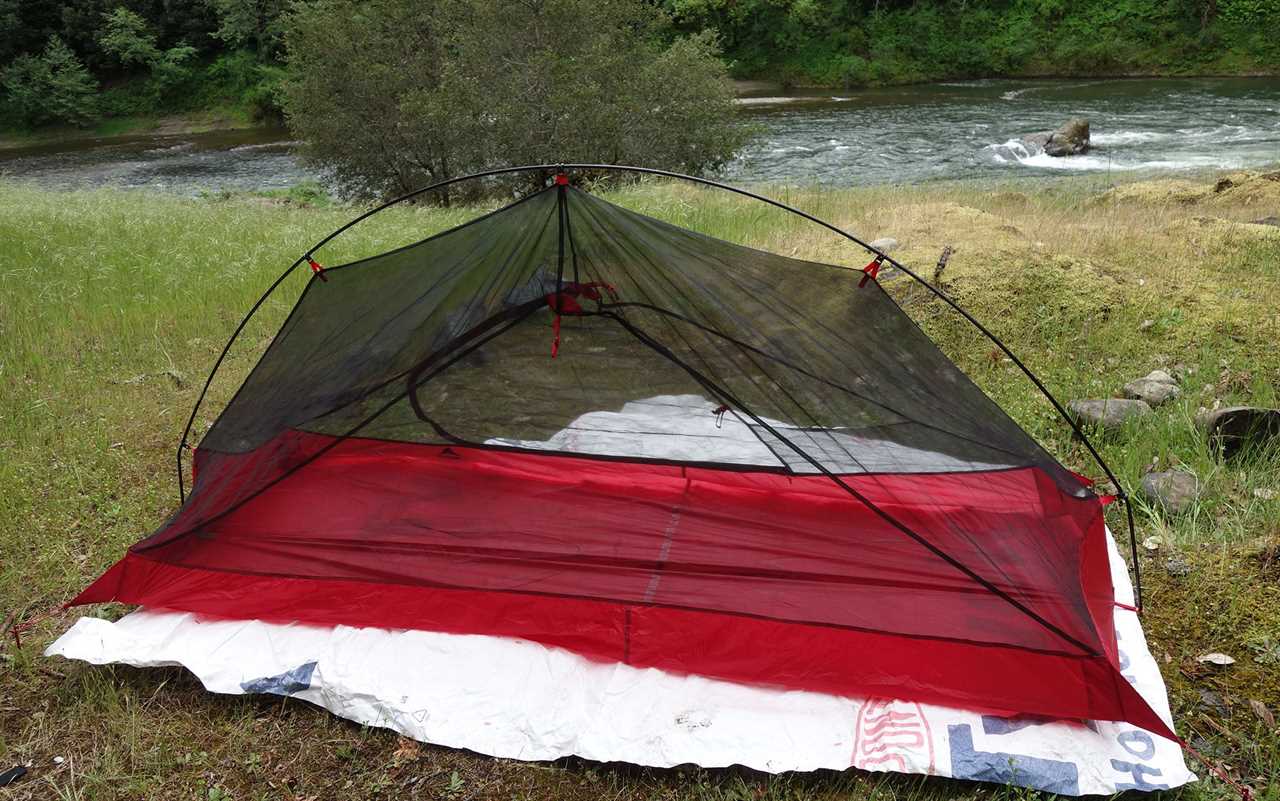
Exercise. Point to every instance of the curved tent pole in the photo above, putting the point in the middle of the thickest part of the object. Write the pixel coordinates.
(186, 431)
(244, 321)
(1077, 430)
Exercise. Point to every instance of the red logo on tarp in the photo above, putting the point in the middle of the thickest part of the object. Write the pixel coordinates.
(888, 733)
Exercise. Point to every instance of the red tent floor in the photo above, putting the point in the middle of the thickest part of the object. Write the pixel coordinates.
(752, 576)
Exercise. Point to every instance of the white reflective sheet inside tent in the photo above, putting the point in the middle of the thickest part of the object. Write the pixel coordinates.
(690, 428)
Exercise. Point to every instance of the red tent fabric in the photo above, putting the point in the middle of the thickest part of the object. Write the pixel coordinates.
(572, 423)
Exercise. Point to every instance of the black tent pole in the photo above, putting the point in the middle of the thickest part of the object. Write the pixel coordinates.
(557, 169)
(186, 431)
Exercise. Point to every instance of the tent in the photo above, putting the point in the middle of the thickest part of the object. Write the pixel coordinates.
(571, 424)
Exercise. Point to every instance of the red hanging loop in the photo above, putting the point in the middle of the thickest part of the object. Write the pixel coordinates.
(316, 268)
(719, 412)
(555, 340)
(871, 270)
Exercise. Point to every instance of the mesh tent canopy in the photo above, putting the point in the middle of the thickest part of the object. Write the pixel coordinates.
(573, 423)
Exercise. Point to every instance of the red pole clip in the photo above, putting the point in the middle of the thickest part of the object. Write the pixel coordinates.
(316, 268)
(870, 270)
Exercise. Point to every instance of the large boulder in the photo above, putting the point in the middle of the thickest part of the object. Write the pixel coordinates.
(1036, 141)
(1071, 139)
(1108, 412)
(1234, 428)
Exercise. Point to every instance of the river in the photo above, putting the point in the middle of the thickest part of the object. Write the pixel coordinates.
(909, 134)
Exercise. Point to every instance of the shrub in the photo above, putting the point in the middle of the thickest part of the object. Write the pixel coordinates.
(128, 38)
(241, 78)
(51, 87)
(394, 94)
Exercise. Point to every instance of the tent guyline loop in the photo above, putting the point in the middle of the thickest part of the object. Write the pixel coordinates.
(560, 181)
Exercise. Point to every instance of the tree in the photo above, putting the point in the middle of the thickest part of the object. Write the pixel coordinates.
(128, 38)
(394, 94)
(51, 87)
(255, 24)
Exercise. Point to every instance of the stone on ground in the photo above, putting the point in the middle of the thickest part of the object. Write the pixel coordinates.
(1107, 412)
(1233, 428)
(1155, 388)
(1172, 490)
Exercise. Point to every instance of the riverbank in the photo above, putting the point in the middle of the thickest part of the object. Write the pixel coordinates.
(777, 82)
(221, 118)
(116, 304)
(841, 46)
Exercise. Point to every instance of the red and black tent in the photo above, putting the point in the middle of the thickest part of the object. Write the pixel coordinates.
(814, 496)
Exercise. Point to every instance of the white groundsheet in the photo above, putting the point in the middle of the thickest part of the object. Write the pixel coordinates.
(522, 700)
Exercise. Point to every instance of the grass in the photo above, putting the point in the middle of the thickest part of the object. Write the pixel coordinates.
(113, 305)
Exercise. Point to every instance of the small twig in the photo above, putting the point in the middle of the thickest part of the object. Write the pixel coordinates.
(1220, 728)
(942, 263)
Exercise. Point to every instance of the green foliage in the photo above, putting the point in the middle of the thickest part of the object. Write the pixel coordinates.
(10, 29)
(255, 24)
(127, 37)
(161, 56)
(52, 87)
(393, 94)
(856, 42)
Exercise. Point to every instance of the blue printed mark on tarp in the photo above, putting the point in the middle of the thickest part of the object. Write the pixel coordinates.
(1051, 775)
(993, 724)
(286, 683)
(1140, 744)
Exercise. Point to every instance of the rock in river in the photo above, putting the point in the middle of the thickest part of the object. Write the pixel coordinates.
(1071, 139)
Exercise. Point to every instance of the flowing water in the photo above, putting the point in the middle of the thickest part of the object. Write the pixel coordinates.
(972, 130)
(907, 134)
(251, 159)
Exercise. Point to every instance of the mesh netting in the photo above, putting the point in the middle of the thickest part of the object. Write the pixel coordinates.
(569, 400)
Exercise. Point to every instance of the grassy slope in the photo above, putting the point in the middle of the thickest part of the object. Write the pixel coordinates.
(113, 305)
